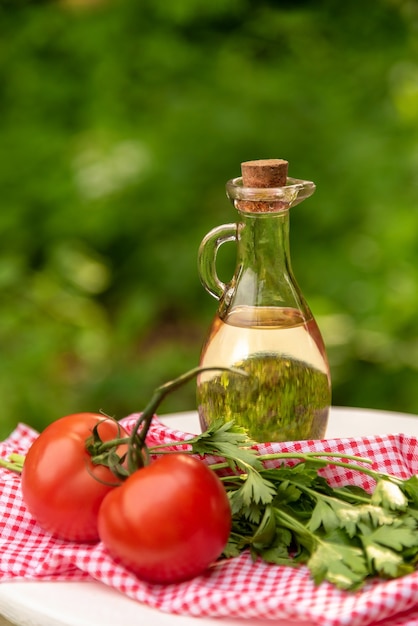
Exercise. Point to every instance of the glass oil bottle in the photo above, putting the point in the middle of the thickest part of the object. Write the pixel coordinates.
(263, 326)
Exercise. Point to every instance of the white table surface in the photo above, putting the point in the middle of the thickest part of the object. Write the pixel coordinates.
(94, 604)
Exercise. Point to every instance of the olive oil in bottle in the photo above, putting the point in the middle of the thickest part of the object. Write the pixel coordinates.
(287, 393)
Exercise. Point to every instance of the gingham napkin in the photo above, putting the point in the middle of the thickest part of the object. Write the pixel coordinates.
(234, 588)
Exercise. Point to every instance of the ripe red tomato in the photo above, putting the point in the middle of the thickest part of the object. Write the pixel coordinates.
(169, 521)
(61, 486)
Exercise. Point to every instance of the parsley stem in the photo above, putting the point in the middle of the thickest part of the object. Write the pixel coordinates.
(312, 457)
(220, 465)
(308, 456)
(351, 496)
(14, 462)
(160, 447)
(293, 524)
(316, 456)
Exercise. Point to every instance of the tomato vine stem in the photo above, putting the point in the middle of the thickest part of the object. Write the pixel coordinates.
(137, 455)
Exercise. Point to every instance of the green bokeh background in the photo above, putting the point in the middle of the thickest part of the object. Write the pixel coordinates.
(121, 121)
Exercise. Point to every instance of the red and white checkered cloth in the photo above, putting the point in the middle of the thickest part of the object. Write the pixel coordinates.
(236, 587)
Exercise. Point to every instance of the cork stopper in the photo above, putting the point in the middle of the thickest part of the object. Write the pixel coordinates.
(264, 173)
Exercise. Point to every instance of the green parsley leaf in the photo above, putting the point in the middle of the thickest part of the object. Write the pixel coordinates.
(395, 536)
(266, 531)
(254, 490)
(228, 441)
(344, 566)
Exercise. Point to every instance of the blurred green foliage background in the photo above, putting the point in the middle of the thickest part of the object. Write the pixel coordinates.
(121, 121)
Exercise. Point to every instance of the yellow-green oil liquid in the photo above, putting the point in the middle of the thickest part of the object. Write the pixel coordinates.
(287, 393)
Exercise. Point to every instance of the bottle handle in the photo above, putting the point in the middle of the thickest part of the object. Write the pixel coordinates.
(208, 251)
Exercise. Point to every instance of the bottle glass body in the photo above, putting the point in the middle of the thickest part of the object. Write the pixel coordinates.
(265, 329)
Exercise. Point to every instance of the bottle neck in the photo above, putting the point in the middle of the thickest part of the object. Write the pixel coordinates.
(263, 275)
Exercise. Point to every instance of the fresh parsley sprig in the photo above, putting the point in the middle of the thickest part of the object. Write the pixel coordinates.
(290, 515)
